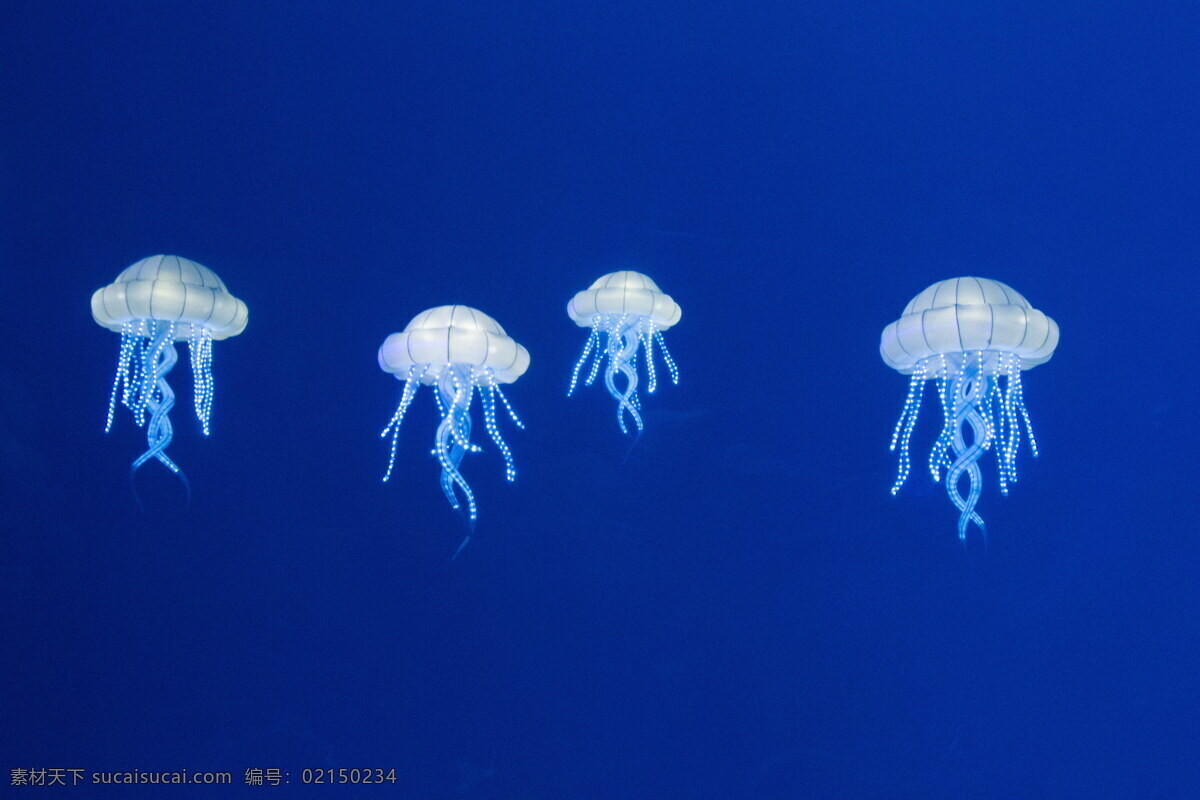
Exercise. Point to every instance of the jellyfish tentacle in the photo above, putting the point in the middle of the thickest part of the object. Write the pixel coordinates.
(1002, 416)
(592, 344)
(601, 352)
(635, 398)
(122, 378)
(622, 352)
(512, 413)
(462, 546)
(464, 392)
(902, 435)
(137, 391)
(412, 383)
(158, 397)
(1019, 404)
(995, 413)
(488, 400)
(943, 447)
(200, 352)
(487, 394)
(672, 367)
(451, 441)
(970, 387)
(967, 463)
(646, 335)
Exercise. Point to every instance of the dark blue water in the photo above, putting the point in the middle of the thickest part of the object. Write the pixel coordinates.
(736, 607)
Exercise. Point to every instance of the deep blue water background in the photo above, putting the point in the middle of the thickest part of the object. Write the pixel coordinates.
(738, 608)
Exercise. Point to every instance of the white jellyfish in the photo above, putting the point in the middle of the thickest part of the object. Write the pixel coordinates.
(154, 303)
(625, 311)
(456, 350)
(973, 337)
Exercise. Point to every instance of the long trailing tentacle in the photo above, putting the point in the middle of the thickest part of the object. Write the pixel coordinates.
(412, 383)
(449, 455)
(487, 394)
(902, 435)
(622, 352)
(200, 349)
(970, 389)
(512, 414)
(635, 398)
(942, 454)
(1018, 402)
(452, 440)
(646, 335)
(130, 341)
(464, 394)
(157, 397)
(672, 367)
(591, 345)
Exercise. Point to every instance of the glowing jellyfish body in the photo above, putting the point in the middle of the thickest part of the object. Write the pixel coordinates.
(972, 337)
(153, 304)
(458, 351)
(626, 312)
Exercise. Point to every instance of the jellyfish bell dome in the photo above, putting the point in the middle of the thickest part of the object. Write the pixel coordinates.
(170, 289)
(447, 335)
(982, 317)
(624, 292)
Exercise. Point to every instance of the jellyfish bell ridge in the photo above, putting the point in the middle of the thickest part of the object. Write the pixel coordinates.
(968, 318)
(170, 289)
(457, 334)
(625, 279)
(177, 268)
(624, 292)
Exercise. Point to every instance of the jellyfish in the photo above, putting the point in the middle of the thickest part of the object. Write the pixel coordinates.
(457, 350)
(972, 337)
(153, 304)
(626, 311)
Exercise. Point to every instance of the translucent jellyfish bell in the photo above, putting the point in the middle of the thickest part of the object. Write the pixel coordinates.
(626, 311)
(972, 337)
(154, 303)
(457, 350)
